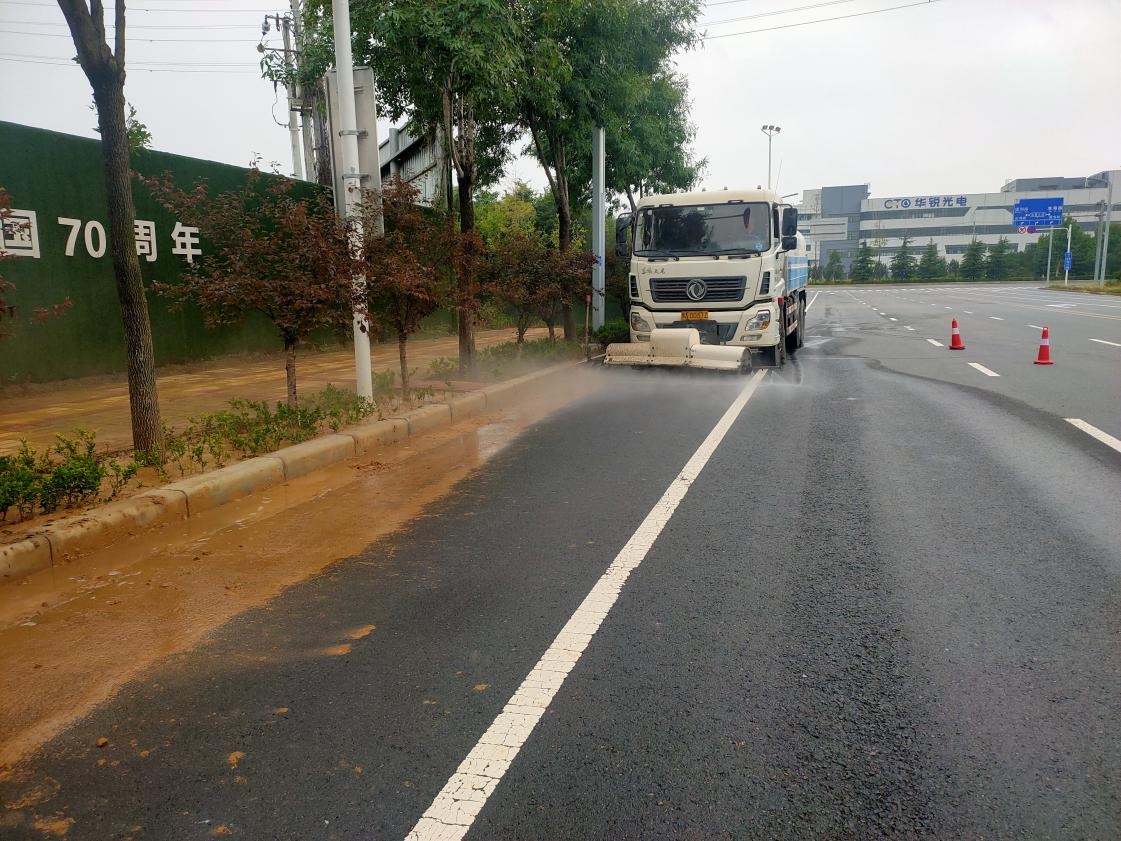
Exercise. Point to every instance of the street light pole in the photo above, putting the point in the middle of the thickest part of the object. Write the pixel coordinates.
(770, 131)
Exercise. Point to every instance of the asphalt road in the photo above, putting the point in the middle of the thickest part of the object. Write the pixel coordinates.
(886, 606)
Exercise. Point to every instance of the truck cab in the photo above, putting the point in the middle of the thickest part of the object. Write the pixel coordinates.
(730, 264)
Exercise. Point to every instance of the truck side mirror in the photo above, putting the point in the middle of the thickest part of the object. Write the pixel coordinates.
(623, 234)
(789, 222)
(789, 243)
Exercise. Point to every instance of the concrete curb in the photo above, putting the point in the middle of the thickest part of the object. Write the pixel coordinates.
(72, 537)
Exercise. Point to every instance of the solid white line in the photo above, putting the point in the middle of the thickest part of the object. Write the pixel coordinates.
(459, 802)
(935, 342)
(996, 318)
(987, 372)
(1093, 431)
(814, 298)
(1104, 342)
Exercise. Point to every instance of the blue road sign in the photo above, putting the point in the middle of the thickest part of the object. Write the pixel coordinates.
(1037, 213)
(1067, 260)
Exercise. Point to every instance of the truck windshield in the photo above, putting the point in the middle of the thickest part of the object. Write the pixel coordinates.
(703, 229)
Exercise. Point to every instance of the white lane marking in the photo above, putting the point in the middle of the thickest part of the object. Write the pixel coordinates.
(814, 298)
(889, 318)
(908, 327)
(986, 371)
(935, 342)
(1062, 306)
(947, 308)
(996, 318)
(968, 312)
(1104, 342)
(1035, 327)
(459, 802)
(1094, 432)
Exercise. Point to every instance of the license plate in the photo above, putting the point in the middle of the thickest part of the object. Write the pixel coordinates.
(694, 315)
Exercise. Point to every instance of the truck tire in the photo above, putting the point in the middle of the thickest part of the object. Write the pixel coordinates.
(795, 339)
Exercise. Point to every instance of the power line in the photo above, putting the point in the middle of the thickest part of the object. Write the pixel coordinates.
(820, 20)
(142, 9)
(131, 69)
(775, 12)
(132, 26)
(132, 39)
(145, 63)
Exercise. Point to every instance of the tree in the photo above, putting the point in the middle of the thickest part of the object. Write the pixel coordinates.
(269, 249)
(138, 135)
(1083, 247)
(903, 265)
(403, 270)
(834, 268)
(931, 266)
(998, 262)
(973, 261)
(585, 65)
(105, 70)
(451, 65)
(953, 268)
(864, 264)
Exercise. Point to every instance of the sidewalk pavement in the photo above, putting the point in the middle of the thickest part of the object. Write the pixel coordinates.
(100, 404)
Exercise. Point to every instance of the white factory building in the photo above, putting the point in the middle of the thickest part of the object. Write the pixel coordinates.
(842, 218)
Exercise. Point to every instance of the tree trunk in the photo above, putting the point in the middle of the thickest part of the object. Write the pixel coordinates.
(290, 369)
(466, 309)
(564, 242)
(106, 74)
(402, 352)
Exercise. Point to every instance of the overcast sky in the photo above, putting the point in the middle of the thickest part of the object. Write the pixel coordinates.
(952, 96)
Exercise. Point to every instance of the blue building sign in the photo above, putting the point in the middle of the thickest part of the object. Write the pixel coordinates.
(1037, 213)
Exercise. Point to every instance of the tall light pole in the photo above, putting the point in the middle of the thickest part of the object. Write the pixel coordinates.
(770, 131)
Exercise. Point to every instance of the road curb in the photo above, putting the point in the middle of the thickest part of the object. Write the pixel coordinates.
(71, 538)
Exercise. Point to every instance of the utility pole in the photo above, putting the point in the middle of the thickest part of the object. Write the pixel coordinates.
(599, 210)
(305, 108)
(1066, 265)
(352, 183)
(1099, 274)
(285, 25)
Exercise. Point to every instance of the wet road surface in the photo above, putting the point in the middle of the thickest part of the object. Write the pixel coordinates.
(886, 606)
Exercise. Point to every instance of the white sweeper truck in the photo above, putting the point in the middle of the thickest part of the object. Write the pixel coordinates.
(714, 276)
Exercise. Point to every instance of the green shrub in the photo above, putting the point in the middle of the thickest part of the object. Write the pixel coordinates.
(612, 332)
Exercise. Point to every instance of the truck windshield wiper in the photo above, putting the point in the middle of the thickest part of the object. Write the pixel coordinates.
(654, 253)
(738, 252)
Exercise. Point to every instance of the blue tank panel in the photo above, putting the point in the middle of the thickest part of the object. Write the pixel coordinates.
(797, 273)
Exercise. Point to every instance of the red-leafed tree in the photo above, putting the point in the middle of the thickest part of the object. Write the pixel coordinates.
(273, 246)
(8, 309)
(404, 272)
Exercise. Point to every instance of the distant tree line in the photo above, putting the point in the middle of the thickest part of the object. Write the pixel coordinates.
(979, 261)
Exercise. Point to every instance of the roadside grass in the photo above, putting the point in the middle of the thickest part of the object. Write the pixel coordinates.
(1112, 287)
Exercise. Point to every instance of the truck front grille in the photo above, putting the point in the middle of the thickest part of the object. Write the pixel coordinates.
(672, 290)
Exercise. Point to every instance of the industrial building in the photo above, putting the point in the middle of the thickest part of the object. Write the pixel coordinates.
(841, 218)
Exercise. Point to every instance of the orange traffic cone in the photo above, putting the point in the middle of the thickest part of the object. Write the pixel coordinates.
(955, 337)
(1044, 357)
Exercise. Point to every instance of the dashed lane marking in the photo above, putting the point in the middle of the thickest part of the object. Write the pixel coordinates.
(935, 342)
(1105, 342)
(455, 808)
(968, 312)
(908, 327)
(986, 371)
(889, 318)
(1094, 432)
(996, 318)
(1035, 327)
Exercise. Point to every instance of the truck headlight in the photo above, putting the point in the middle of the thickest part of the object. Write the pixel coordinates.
(759, 321)
(640, 324)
